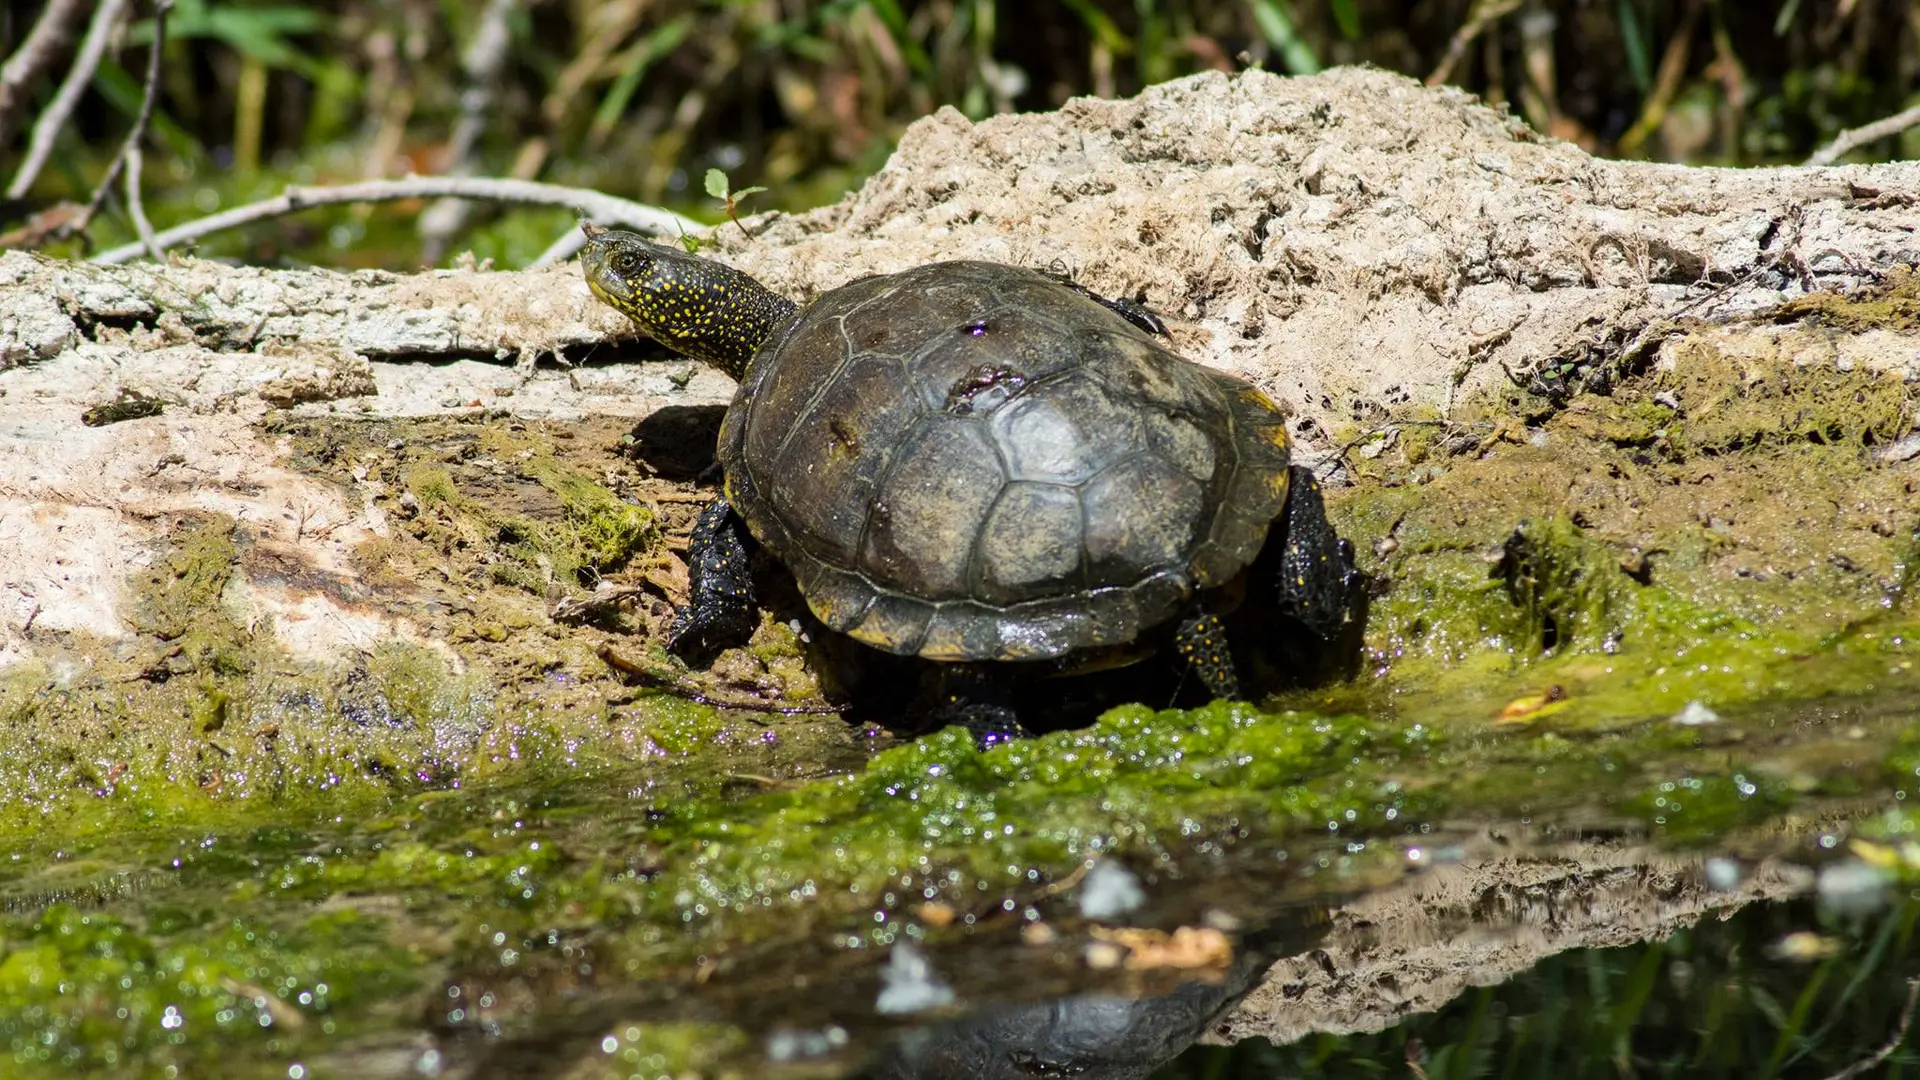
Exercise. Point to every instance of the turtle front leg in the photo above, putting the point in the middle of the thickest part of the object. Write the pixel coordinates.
(722, 609)
(1319, 585)
(1138, 314)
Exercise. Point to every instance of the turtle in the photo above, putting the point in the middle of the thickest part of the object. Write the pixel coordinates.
(989, 467)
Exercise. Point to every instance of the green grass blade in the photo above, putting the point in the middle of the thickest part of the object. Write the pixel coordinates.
(1275, 19)
(1103, 28)
(1787, 11)
(1346, 15)
(654, 46)
(1796, 1021)
(1634, 41)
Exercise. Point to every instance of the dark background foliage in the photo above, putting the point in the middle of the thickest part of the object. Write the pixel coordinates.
(640, 97)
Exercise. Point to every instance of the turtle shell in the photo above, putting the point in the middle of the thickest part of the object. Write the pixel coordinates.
(972, 461)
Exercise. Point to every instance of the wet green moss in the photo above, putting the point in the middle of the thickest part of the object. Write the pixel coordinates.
(666, 1050)
(594, 532)
(605, 531)
(1729, 403)
(432, 486)
(179, 602)
(1561, 584)
(182, 588)
(939, 815)
(481, 883)
(86, 993)
(1893, 304)
(1701, 809)
(1698, 533)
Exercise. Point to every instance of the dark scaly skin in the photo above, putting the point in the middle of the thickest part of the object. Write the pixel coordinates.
(1126, 309)
(722, 608)
(705, 309)
(721, 316)
(716, 314)
(1317, 577)
(1316, 586)
(1202, 641)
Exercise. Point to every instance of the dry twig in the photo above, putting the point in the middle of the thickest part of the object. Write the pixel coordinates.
(1892, 1044)
(1848, 141)
(593, 204)
(36, 54)
(485, 55)
(561, 249)
(136, 209)
(1666, 86)
(130, 149)
(45, 129)
(667, 683)
(1485, 14)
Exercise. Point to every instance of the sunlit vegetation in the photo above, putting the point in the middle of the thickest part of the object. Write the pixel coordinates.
(805, 97)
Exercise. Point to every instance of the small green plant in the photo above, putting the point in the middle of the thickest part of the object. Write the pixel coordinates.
(719, 187)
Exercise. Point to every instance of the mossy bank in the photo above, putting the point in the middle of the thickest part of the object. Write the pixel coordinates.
(483, 832)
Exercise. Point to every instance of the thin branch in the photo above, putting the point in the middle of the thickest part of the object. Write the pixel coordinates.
(1666, 86)
(593, 204)
(1848, 141)
(560, 250)
(132, 146)
(480, 64)
(137, 210)
(1485, 14)
(92, 50)
(36, 54)
(1892, 1044)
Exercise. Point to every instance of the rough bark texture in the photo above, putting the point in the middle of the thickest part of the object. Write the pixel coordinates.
(1352, 241)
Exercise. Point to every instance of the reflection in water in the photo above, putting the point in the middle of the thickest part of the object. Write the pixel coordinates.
(1097, 1037)
(1090, 1036)
(1784, 989)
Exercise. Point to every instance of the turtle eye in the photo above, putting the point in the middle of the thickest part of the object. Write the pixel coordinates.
(626, 262)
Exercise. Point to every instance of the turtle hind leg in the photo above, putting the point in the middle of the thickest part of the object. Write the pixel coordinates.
(722, 609)
(976, 697)
(1319, 585)
(1201, 640)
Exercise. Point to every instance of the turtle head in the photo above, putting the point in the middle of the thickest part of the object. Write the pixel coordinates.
(705, 309)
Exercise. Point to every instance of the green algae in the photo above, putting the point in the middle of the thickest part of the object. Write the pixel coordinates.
(1696, 534)
(174, 595)
(505, 893)
(595, 532)
(1563, 587)
(1731, 403)
(504, 819)
(604, 530)
(502, 894)
(85, 993)
(642, 1049)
